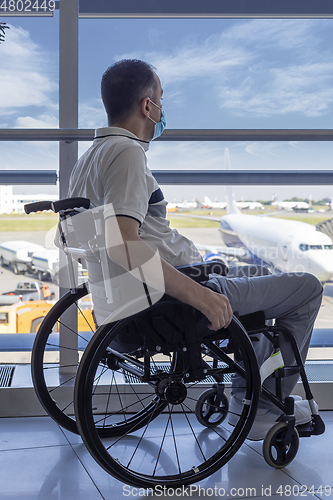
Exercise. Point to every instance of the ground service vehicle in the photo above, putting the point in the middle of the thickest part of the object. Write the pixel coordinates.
(18, 255)
(23, 317)
(26, 317)
(27, 291)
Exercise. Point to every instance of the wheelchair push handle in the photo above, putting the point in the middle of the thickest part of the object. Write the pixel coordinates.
(38, 206)
(70, 203)
(57, 206)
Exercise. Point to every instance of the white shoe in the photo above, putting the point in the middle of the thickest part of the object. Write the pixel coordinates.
(265, 419)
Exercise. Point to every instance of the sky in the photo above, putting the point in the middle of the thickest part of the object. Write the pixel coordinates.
(215, 74)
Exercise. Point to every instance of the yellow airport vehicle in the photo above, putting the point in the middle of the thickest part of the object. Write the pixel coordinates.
(26, 317)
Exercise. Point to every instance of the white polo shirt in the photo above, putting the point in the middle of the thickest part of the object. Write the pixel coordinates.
(114, 171)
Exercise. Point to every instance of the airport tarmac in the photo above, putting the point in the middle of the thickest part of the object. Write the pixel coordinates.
(37, 237)
(209, 236)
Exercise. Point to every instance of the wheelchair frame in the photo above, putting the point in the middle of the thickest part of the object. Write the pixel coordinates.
(188, 365)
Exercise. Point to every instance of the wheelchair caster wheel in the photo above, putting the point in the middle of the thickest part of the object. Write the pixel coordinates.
(206, 410)
(275, 453)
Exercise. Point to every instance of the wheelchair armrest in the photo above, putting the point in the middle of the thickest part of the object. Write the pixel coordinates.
(253, 321)
(69, 203)
(200, 272)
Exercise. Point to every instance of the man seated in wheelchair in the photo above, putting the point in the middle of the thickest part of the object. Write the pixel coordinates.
(113, 174)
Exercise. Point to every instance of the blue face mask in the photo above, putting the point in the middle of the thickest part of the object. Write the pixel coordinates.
(159, 126)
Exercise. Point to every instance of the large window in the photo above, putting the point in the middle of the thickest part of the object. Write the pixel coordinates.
(216, 74)
(28, 100)
(222, 73)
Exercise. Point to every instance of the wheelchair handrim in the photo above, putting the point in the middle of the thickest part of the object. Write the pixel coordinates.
(89, 434)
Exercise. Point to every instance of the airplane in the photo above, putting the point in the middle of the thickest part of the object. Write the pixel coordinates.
(289, 205)
(172, 207)
(214, 204)
(282, 245)
(251, 205)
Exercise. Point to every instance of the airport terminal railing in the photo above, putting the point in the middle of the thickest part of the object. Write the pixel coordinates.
(213, 177)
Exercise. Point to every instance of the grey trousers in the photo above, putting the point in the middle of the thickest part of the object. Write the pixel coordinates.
(292, 299)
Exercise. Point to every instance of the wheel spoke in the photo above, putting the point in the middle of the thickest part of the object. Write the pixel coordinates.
(62, 384)
(174, 438)
(73, 331)
(150, 416)
(91, 328)
(195, 437)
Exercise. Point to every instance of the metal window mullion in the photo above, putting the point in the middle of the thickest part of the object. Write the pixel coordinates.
(244, 177)
(68, 153)
(196, 9)
(71, 133)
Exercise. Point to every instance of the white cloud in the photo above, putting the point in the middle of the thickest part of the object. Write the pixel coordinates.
(306, 89)
(155, 36)
(266, 150)
(259, 67)
(92, 114)
(203, 62)
(25, 73)
(186, 156)
(41, 121)
(284, 33)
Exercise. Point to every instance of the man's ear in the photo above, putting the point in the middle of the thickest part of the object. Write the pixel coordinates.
(146, 106)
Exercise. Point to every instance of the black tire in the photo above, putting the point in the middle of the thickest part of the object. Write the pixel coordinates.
(275, 454)
(136, 455)
(208, 412)
(57, 397)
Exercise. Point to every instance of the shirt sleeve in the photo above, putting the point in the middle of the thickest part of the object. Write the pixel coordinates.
(125, 185)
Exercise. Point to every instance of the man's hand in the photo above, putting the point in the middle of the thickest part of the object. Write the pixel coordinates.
(216, 308)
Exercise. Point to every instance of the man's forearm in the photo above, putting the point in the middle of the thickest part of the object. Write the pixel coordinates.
(137, 257)
(133, 255)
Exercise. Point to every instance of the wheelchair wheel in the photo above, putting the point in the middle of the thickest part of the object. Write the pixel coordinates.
(211, 410)
(160, 440)
(275, 453)
(55, 387)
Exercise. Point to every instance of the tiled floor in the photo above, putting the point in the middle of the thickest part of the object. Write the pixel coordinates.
(38, 460)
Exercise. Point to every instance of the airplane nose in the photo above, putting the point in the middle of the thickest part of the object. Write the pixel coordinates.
(323, 267)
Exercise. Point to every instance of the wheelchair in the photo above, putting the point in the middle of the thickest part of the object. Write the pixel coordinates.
(151, 391)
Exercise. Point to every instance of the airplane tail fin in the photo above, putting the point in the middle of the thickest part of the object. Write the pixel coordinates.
(231, 203)
(276, 199)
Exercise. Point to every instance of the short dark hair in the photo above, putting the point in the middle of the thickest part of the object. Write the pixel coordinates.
(124, 85)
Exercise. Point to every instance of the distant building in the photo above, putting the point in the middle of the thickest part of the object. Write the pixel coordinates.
(14, 203)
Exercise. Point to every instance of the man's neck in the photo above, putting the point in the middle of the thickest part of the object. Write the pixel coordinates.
(126, 126)
(134, 126)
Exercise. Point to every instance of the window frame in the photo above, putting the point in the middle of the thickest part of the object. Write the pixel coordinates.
(21, 400)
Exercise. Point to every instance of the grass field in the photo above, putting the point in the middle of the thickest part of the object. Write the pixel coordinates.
(44, 222)
(18, 222)
(176, 220)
